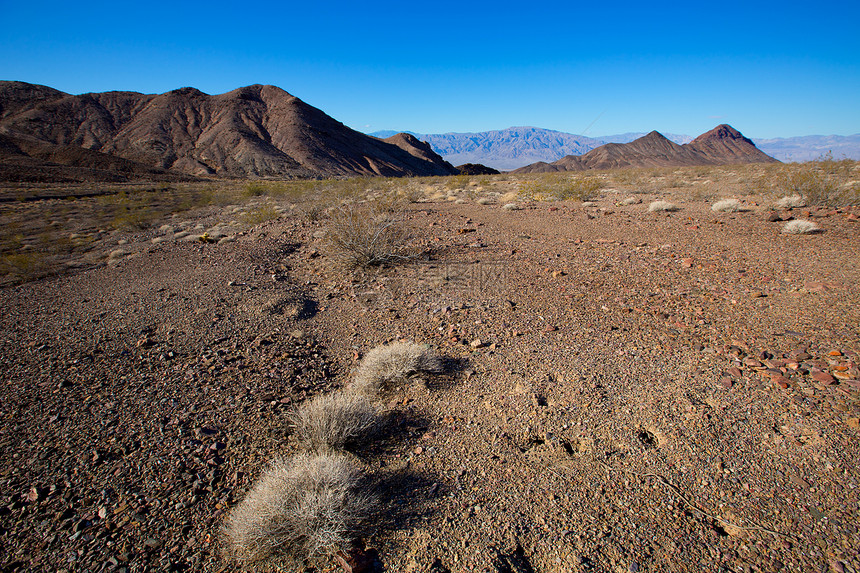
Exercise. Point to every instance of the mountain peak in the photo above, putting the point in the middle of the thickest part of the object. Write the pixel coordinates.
(722, 131)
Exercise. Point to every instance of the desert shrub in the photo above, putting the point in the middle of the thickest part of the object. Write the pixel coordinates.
(301, 508)
(387, 367)
(630, 201)
(454, 182)
(658, 206)
(260, 214)
(334, 421)
(511, 207)
(789, 202)
(824, 182)
(727, 206)
(805, 180)
(361, 236)
(485, 201)
(800, 227)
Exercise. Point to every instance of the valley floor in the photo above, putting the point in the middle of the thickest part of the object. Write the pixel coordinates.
(626, 391)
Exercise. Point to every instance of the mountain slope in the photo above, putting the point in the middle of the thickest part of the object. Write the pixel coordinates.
(255, 131)
(721, 145)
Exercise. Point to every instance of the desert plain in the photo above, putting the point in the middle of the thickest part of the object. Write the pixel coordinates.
(625, 389)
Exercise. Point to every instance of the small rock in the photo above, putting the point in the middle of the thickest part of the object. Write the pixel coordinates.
(477, 343)
(773, 217)
(853, 423)
(36, 494)
(550, 328)
(687, 262)
(798, 481)
(823, 377)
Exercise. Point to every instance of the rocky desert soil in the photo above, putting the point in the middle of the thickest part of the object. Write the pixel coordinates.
(626, 391)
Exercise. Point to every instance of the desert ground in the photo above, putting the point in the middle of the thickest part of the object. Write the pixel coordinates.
(624, 389)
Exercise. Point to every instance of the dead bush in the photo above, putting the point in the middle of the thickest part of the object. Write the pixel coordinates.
(662, 206)
(299, 509)
(334, 421)
(800, 227)
(361, 236)
(387, 367)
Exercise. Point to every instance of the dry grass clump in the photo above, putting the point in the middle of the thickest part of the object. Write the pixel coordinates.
(299, 509)
(511, 207)
(800, 227)
(361, 236)
(386, 367)
(789, 202)
(333, 421)
(485, 201)
(660, 206)
(727, 206)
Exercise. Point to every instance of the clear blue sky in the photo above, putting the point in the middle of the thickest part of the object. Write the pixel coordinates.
(770, 69)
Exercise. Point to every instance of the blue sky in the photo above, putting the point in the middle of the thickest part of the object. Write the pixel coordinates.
(769, 69)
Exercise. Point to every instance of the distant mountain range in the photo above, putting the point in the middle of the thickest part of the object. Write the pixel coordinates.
(720, 146)
(255, 131)
(517, 147)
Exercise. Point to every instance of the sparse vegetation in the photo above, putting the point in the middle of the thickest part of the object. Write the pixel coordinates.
(825, 182)
(661, 206)
(800, 227)
(726, 206)
(630, 201)
(332, 422)
(260, 214)
(299, 509)
(561, 187)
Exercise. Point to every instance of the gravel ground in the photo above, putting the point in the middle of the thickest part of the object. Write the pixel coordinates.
(627, 391)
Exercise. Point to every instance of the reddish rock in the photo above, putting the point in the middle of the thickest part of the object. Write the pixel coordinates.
(823, 377)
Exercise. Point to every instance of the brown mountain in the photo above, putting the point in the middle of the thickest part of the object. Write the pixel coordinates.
(727, 145)
(255, 131)
(722, 145)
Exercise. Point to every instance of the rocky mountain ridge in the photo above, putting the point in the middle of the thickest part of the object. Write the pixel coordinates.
(254, 131)
(721, 145)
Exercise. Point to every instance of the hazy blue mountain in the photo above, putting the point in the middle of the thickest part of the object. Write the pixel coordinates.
(506, 148)
(810, 147)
